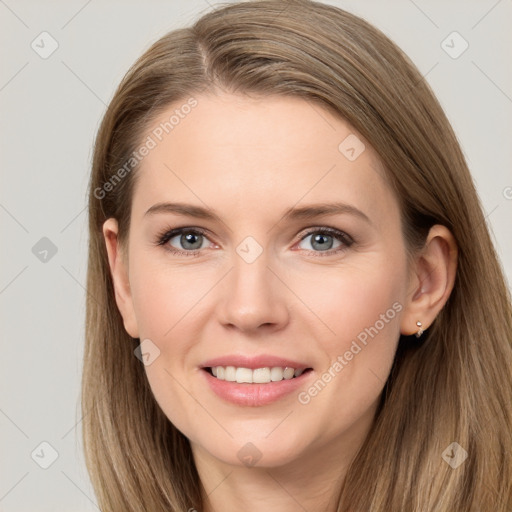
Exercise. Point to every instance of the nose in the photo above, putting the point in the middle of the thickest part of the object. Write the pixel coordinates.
(253, 298)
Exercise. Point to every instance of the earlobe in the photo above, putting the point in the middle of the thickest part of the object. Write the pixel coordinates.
(119, 273)
(433, 280)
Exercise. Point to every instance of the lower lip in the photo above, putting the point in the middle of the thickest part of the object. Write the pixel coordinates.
(254, 395)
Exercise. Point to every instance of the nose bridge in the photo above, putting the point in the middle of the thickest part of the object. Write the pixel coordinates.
(252, 294)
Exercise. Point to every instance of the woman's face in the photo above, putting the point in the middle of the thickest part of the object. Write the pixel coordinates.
(291, 255)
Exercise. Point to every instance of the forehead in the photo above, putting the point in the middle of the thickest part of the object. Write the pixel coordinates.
(258, 154)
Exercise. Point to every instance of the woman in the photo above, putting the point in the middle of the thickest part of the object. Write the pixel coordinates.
(294, 301)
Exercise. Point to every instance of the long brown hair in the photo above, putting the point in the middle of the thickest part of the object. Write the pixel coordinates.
(454, 387)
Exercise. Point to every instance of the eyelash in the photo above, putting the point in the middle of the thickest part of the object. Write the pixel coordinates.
(166, 235)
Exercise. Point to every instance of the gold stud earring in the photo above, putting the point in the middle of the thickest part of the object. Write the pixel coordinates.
(420, 330)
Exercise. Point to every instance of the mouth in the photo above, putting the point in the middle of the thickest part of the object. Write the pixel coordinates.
(263, 375)
(258, 386)
(256, 380)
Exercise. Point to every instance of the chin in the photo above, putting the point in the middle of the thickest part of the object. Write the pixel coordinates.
(257, 451)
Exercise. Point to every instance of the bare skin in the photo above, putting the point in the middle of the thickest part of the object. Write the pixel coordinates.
(304, 297)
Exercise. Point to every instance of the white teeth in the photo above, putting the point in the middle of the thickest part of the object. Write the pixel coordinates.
(288, 373)
(276, 374)
(261, 375)
(256, 376)
(244, 375)
(230, 373)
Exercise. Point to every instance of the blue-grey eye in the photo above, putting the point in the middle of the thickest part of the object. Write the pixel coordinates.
(321, 241)
(189, 241)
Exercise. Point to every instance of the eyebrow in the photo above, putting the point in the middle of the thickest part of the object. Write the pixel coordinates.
(301, 213)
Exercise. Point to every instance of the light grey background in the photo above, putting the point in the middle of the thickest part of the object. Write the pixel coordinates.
(50, 111)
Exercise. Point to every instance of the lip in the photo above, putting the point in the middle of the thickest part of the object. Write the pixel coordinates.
(260, 361)
(254, 395)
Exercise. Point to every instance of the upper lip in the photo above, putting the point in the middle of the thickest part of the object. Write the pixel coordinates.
(253, 362)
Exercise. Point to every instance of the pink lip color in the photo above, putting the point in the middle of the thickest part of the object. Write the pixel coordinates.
(253, 395)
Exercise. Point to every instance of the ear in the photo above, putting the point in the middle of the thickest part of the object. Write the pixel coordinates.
(119, 271)
(432, 280)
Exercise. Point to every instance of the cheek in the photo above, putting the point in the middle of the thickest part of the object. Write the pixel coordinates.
(360, 309)
(164, 300)
(163, 295)
(154, 300)
(362, 313)
(349, 300)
